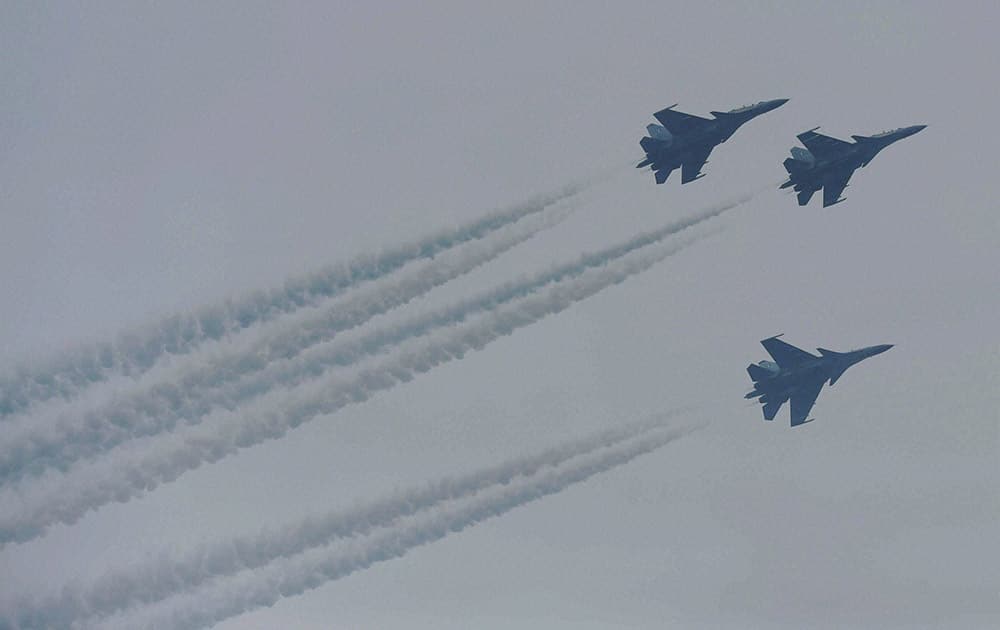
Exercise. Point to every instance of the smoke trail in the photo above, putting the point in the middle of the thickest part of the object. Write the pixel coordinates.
(173, 454)
(149, 584)
(164, 405)
(40, 443)
(135, 353)
(296, 575)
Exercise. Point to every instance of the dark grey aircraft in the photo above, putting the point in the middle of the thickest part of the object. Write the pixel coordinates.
(828, 163)
(798, 376)
(684, 141)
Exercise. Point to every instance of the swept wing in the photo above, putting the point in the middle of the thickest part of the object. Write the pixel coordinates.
(785, 354)
(771, 407)
(679, 123)
(803, 400)
(823, 146)
(691, 168)
(833, 186)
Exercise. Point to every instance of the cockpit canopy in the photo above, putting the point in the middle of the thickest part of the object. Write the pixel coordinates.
(886, 133)
(744, 108)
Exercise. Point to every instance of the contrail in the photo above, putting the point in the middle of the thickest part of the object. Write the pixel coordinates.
(163, 406)
(173, 454)
(152, 583)
(38, 443)
(135, 353)
(298, 574)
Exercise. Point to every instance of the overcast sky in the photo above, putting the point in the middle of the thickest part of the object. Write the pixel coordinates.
(161, 156)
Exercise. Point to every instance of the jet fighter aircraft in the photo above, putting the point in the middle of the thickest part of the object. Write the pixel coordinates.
(828, 163)
(685, 141)
(797, 375)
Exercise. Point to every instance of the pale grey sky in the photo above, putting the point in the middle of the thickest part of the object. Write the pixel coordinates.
(158, 157)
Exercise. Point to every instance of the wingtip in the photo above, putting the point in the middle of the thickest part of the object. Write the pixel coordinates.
(665, 109)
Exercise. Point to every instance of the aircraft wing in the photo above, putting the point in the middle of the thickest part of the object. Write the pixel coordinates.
(805, 195)
(679, 123)
(661, 173)
(823, 146)
(832, 188)
(785, 354)
(691, 168)
(803, 400)
(772, 406)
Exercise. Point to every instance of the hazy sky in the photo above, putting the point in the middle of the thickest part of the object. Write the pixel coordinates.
(156, 157)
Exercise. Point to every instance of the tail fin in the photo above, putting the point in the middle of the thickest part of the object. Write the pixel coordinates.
(794, 166)
(649, 144)
(757, 373)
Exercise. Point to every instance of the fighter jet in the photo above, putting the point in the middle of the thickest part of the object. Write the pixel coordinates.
(685, 141)
(799, 376)
(828, 163)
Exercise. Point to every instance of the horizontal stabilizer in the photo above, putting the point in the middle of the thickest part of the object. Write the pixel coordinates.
(661, 176)
(644, 163)
(805, 196)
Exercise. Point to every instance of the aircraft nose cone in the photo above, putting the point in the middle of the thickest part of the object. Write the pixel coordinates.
(881, 349)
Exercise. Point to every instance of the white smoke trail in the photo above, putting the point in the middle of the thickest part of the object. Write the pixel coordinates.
(171, 455)
(135, 353)
(144, 585)
(203, 388)
(37, 443)
(297, 574)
